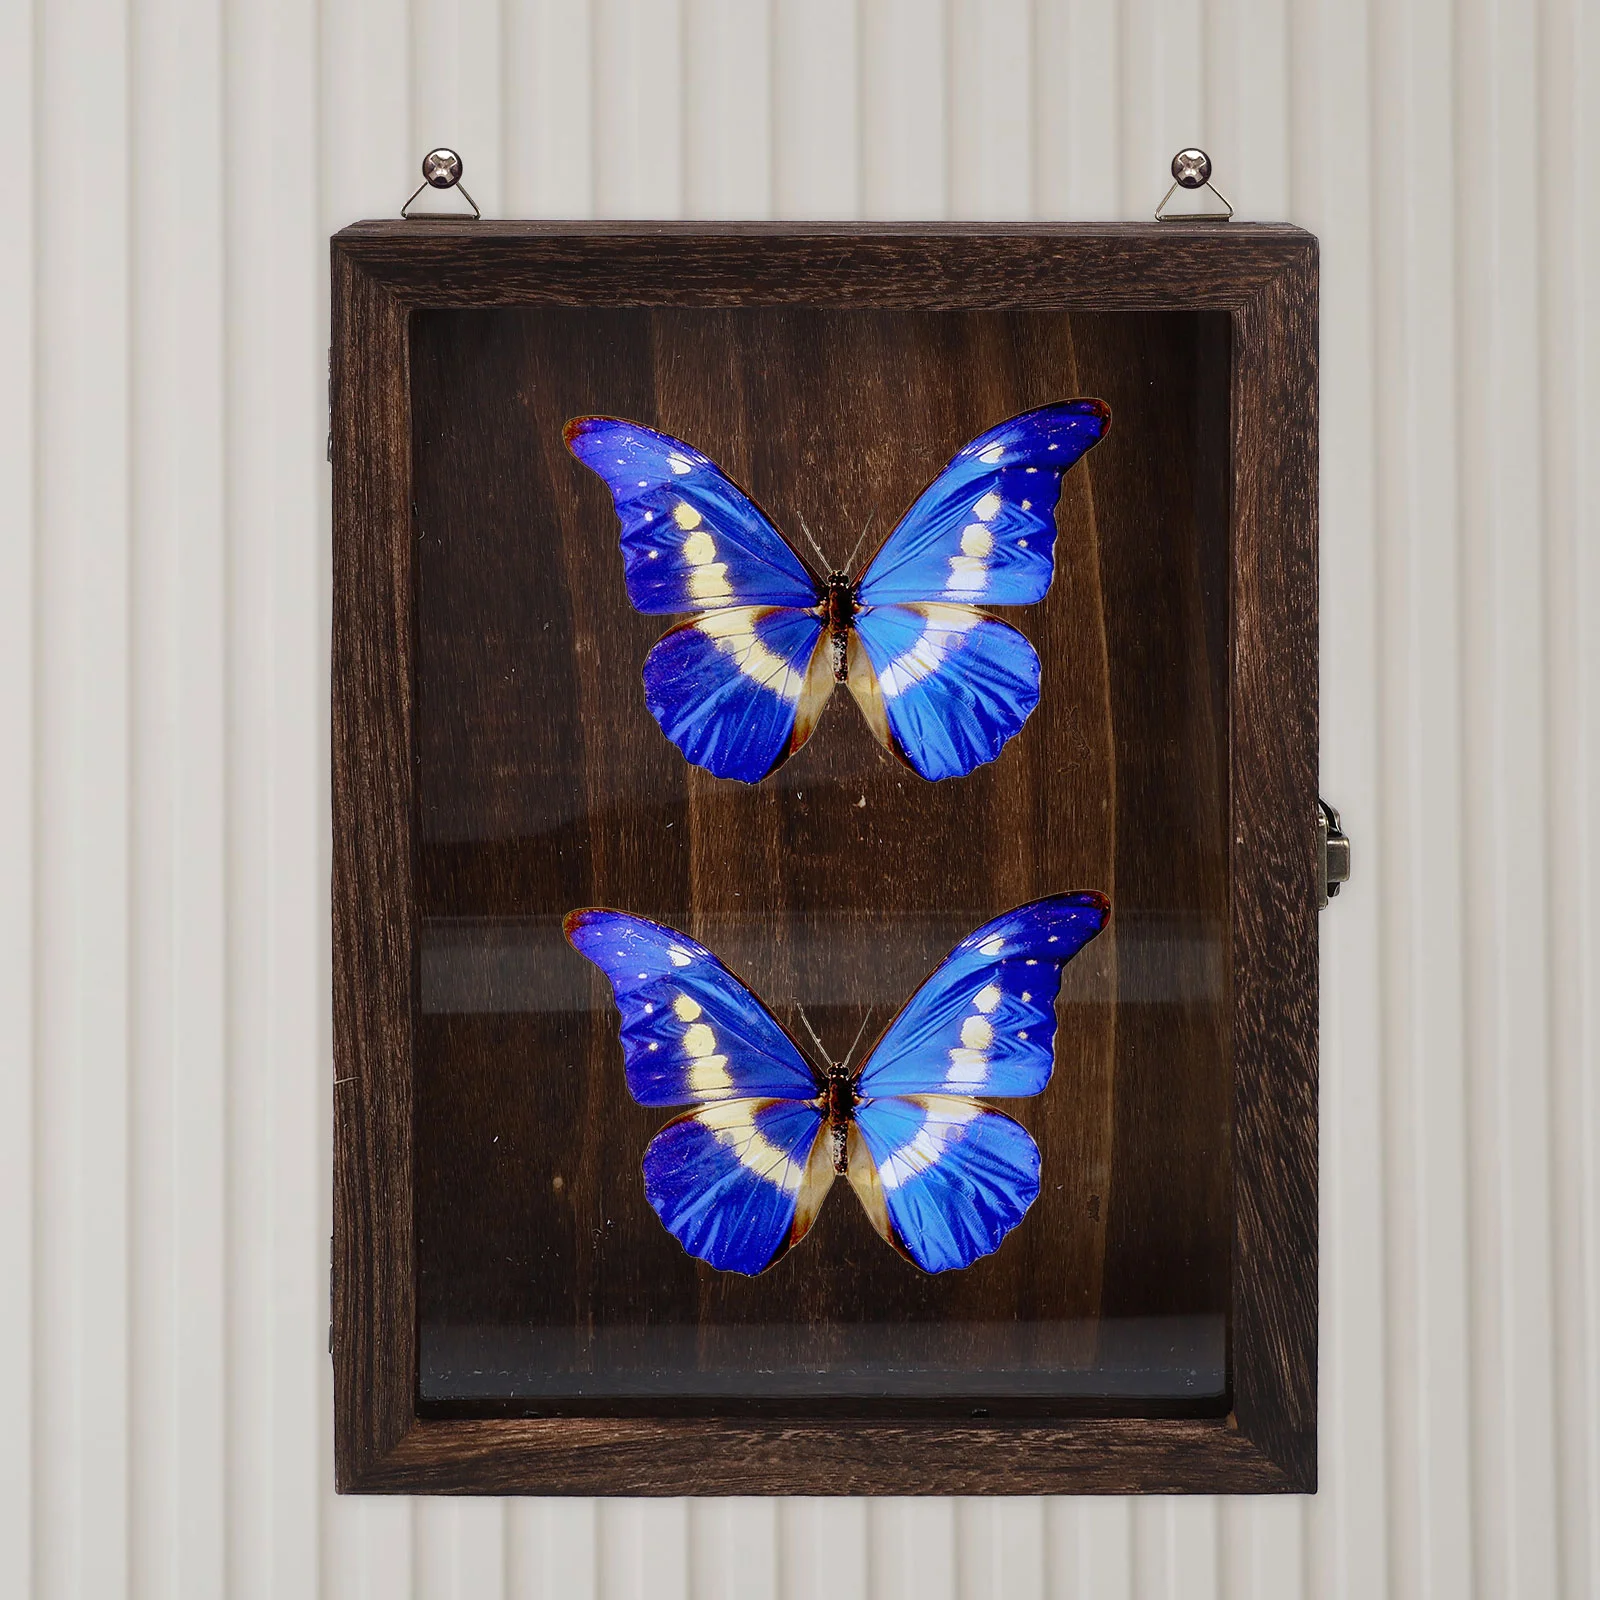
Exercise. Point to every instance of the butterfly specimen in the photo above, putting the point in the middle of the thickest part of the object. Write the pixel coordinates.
(740, 686)
(739, 1180)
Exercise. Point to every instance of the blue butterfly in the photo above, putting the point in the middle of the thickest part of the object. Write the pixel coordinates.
(740, 1179)
(739, 687)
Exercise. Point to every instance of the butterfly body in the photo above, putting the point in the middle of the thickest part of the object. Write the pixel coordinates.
(840, 1104)
(839, 607)
(739, 1179)
(740, 686)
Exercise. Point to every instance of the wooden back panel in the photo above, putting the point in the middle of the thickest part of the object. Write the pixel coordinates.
(544, 784)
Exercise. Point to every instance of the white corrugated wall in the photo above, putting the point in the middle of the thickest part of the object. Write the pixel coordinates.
(172, 169)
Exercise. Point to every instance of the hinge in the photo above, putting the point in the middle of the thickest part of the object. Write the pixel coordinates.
(1333, 854)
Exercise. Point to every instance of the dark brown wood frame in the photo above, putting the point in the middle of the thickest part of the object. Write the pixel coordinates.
(1266, 278)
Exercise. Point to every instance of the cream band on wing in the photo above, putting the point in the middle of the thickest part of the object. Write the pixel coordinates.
(969, 1060)
(944, 1121)
(708, 1071)
(734, 633)
(969, 570)
(734, 1124)
(708, 577)
(941, 634)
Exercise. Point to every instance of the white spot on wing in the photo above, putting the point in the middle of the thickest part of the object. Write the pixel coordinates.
(976, 1033)
(987, 506)
(993, 945)
(708, 1077)
(991, 454)
(678, 956)
(987, 998)
(967, 1070)
(686, 1008)
(678, 464)
(710, 583)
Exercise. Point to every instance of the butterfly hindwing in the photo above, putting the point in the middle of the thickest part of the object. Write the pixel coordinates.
(733, 1182)
(692, 540)
(984, 1023)
(984, 531)
(954, 685)
(691, 1031)
(954, 1177)
(732, 688)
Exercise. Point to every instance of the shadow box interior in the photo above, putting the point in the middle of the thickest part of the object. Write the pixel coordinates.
(546, 1286)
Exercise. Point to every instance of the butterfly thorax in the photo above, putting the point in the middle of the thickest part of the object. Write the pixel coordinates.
(841, 1099)
(838, 612)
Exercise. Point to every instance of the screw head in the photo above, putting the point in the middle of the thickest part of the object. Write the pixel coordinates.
(441, 168)
(1192, 169)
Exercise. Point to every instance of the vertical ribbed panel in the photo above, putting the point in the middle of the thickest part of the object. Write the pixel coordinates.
(19, 399)
(174, 168)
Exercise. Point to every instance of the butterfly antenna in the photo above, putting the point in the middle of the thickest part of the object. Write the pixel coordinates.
(813, 1032)
(827, 565)
(850, 1053)
(849, 566)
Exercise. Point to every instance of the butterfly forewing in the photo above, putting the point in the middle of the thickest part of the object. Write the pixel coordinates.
(691, 1031)
(692, 540)
(984, 1023)
(983, 532)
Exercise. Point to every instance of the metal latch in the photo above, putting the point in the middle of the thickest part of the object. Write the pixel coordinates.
(1333, 854)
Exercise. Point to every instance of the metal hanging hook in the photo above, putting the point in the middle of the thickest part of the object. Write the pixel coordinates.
(441, 169)
(1191, 169)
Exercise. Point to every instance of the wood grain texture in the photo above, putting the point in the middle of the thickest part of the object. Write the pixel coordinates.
(383, 272)
(374, 915)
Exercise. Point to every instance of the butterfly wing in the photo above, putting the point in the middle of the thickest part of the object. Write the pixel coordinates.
(738, 1183)
(984, 531)
(735, 688)
(984, 1023)
(739, 690)
(943, 1178)
(692, 540)
(943, 686)
(739, 1180)
(691, 1031)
